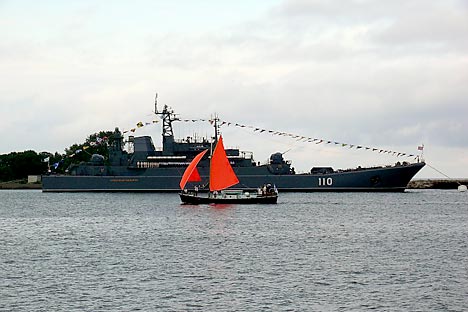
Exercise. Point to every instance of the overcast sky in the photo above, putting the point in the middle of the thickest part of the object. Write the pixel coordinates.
(384, 74)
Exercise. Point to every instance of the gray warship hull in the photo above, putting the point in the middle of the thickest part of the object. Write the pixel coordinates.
(382, 179)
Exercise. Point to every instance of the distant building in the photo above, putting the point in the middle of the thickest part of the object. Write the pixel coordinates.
(34, 178)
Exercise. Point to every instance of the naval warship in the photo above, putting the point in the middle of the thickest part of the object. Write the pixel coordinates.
(147, 169)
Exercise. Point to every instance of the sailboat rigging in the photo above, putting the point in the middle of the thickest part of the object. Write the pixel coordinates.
(222, 176)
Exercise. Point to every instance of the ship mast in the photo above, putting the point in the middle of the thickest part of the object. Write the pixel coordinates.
(168, 116)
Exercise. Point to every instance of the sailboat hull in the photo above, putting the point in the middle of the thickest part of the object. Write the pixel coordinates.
(241, 199)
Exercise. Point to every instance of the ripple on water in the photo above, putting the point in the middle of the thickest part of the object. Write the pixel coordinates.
(326, 252)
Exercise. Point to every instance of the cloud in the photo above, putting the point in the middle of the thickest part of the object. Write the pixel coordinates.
(389, 74)
(441, 27)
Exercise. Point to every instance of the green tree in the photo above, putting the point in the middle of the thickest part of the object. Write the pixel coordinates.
(18, 165)
(96, 143)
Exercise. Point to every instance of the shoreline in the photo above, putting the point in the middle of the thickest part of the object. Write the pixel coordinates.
(20, 186)
(419, 184)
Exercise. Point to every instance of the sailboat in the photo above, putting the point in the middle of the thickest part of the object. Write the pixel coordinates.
(222, 176)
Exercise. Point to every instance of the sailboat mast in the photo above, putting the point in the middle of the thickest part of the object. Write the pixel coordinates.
(215, 123)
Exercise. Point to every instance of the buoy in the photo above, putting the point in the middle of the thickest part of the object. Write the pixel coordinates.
(462, 188)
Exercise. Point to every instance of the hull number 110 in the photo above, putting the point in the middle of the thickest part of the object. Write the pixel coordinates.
(325, 181)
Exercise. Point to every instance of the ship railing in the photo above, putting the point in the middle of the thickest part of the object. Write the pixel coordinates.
(166, 157)
(242, 155)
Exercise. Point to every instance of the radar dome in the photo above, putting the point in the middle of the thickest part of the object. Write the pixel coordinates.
(97, 159)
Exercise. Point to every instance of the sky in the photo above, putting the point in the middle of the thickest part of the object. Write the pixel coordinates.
(386, 74)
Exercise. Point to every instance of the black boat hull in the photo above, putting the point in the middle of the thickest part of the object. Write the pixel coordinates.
(381, 179)
(196, 200)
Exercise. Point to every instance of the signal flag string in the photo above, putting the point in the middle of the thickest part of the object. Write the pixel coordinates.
(300, 138)
(318, 140)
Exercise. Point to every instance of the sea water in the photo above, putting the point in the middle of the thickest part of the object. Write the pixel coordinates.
(310, 252)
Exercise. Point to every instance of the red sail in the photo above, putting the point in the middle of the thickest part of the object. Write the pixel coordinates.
(191, 173)
(222, 175)
(195, 176)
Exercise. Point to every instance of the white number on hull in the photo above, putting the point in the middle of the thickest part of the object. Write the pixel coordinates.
(325, 181)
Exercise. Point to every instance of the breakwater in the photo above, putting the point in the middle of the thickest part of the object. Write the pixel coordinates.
(442, 184)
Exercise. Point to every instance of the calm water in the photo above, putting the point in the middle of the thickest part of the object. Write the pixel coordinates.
(311, 252)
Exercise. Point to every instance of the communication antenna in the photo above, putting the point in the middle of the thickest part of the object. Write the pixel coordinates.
(156, 103)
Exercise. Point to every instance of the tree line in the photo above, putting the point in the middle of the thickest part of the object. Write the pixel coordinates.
(18, 165)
